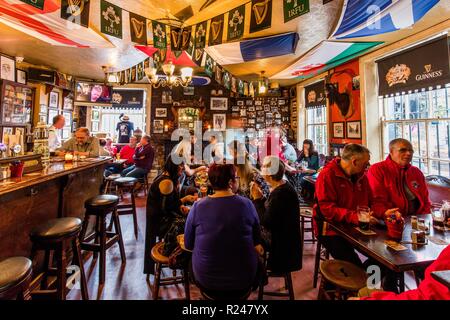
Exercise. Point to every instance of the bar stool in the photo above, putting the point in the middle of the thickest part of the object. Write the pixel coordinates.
(128, 184)
(306, 217)
(288, 285)
(322, 254)
(100, 206)
(109, 183)
(162, 261)
(344, 276)
(54, 236)
(15, 277)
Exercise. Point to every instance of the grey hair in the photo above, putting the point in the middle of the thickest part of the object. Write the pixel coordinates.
(394, 142)
(353, 149)
(83, 129)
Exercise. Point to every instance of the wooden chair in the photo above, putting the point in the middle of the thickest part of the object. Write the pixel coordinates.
(321, 255)
(287, 283)
(162, 261)
(306, 218)
(346, 278)
(15, 277)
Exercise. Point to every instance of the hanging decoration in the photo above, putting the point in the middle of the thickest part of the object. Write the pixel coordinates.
(111, 19)
(200, 35)
(209, 65)
(216, 30)
(159, 35)
(35, 3)
(175, 38)
(294, 8)
(76, 11)
(138, 29)
(260, 15)
(236, 23)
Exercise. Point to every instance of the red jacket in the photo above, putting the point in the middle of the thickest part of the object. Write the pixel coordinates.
(127, 152)
(429, 289)
(338, 197)
(385, 179)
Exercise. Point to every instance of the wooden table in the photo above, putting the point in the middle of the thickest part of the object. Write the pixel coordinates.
(416, 256)
(311, 179)
(442, 277)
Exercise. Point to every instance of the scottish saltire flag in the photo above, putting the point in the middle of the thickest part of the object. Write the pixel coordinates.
(252, 49)
(363, 18)
(327, 55)
(47, 25)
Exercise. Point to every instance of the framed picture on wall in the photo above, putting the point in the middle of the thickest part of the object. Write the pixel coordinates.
(354, 130)
(51, 114)
(166, 97)
(188, 91)
(95, 126)
(219, 104)
(53, 100)
(161, 112)
(220, 121)
(338, 130)
(7, 68)
(95, 115)
(21, 76)
(240, 102)
(6, 131)
(158, 126)
(68, 103)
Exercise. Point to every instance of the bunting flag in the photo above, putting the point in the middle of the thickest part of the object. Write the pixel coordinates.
(159, 35)
(240, 86)
(175, 38)
(200, 35)
(218, 74)
(140, 71)
(209, 65)
(183, 60)
(147, 63)
(133, 74)
(35, 3)
(326, 55)
(198, 57)
(216, 30)
(111, 19)
(236, 22)
(138, 29)
(294, 8)
(374, 17)
(253, 49)
(48, 26)
(76, 11)
(186, 38)
(246, 90)
(226, 80)
(261, 15)
(233, 84)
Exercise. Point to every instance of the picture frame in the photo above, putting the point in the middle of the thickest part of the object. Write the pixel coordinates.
(95, 115)
(43, 118)
(354, 130)
(188, 91)
(7, 68)
(158, 126)
(53, 99)
(249, 102)
(6, 131)
(161, 113)
(166, 97)
(95, 126)
(251, 109)
(43, 109)
(240, 102)
(258, 102)
(219, 104)
(235, 108)
(21, 76)
(68, 103)
(51, 114)
(338, 130)
(281, 102)
(219, 121)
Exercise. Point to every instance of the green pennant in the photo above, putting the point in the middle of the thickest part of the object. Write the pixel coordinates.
(261, 15)
(159, 35)
(236, 22)
(209, 65)
(218, 74)
(190, 50)
(198, 56)
(294, 8)
(138, 29)
(186, 38)
(175, 38)
(240, 86)
(226, 80)
(35, 3)
(140, 71)
(76, 13)
(246, 89)
(233, 84)
(111, 19)
(216, 30)
(200, 35)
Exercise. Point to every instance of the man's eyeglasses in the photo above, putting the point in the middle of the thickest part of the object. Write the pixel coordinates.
(405, 150)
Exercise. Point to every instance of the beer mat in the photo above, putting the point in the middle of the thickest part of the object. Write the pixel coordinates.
(438, 241)
(395, 245)
(366, 232)
(33, 174)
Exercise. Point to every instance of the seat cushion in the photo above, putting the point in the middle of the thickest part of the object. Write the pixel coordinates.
(343, 274)
(126, 181)
(157, 253)
(113, 177)
(56, 228)
(12, 271)
(104, 200)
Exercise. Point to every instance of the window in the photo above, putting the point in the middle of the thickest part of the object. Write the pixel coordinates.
(316, 128)
(424, 119)
(110, 118)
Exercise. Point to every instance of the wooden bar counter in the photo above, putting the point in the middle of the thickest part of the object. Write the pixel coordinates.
(58, 191)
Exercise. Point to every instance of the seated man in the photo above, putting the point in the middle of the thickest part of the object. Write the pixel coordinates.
(126, 153)
(395, 183)
(143, 159)
(341, 187)
(81, 145)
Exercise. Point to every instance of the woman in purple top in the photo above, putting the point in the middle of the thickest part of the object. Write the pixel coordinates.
(223, 232)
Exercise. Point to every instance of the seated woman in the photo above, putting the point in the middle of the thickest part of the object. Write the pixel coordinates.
(164, 209)
(279, 214)
(309, 161)
(222, 230)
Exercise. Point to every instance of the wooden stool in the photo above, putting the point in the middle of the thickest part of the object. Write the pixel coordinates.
(15, 277)
(306, 217)
(128, 184)
(109, 184)
(100, 206)
(344, 276)
(288, 285)
(321, 255)
(54, 236)
(161, 261)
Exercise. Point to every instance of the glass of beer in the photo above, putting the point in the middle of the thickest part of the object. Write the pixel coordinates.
(363, 217)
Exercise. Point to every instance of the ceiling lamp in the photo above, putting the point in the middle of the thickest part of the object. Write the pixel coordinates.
(169, 80)
(110, 77)
(263, 83)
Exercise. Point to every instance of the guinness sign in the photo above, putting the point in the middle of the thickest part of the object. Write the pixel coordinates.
(420, 67)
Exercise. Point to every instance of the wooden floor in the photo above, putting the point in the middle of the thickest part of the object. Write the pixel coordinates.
(128, 282)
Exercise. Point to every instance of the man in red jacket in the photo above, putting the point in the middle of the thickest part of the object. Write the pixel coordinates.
(395, 183)
(341, 187)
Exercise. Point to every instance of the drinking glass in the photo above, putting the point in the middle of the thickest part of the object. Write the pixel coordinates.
(363, 217)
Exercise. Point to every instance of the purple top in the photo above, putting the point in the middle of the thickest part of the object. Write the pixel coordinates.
(222, 233)
(148, 153)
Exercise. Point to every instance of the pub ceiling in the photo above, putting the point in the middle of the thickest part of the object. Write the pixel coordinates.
(312, 28)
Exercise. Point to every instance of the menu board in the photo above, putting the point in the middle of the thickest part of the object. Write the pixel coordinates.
(16, 103)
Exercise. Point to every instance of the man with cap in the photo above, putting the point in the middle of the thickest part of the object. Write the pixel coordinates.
(125, 128)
